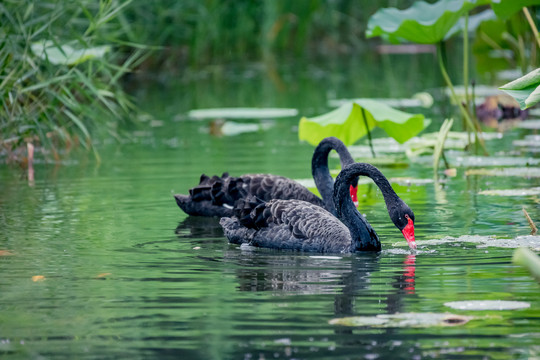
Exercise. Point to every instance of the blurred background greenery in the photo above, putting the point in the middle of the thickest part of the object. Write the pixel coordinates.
(59, 105)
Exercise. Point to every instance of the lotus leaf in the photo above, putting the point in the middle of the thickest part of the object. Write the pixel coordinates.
(404, 320)
(506, 8)
(348, 123)
(421, 23)
(487, 305)
(526, 89)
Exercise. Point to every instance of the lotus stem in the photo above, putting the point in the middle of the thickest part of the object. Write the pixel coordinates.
(532, 24)
(475, 127)
(368, 132)
(466, 61)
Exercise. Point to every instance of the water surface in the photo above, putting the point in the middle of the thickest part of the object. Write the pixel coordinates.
(126, 274)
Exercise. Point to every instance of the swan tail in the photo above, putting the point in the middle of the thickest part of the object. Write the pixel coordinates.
(236, 232)
(249, 211)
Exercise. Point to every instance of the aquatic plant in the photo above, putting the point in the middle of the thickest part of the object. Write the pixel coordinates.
(526, 89)
(429, 24)
(354, 120)
(59, 78)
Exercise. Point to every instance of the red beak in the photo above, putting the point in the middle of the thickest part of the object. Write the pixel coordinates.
(408, 232)
(353, 190)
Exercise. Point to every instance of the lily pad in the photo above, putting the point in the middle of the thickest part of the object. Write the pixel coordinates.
(422, 99)
(527, 172)
(479, 161)
(529, 241)
(404, 320)
(487, 305)
(348, 123)
(526, 89)
(512, 192)
(66, 54)
(529, 124)
(423, 22)
(242, 113)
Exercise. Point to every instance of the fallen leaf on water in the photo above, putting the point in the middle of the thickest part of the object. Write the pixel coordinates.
(5, 253)
(102, 275)
(409, 320)
(37, 278)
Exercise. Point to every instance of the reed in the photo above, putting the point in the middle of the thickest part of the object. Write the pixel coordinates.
(58, 102)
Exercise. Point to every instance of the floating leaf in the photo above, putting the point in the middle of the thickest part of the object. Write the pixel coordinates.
(242, 113)
(477, 161)
(404, 320)
(529, 260)
(421, 99)
(5, 253)
(525, 90)
(529, 124)
(37, 278)
(487, 305)
(103, 275)
(529, 241)
(527, 172)
(512, 192)
(66, 54)
(423, 22)
(348, 123)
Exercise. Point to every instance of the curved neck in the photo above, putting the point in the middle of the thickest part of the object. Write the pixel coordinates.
(363, 236)
(320, 171)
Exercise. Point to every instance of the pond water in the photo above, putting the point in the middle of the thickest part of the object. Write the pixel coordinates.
(97, 261)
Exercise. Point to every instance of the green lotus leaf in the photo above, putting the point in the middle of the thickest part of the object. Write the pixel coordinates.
(506, 8)
(348, 123)
(66, 54)
(421, 23)
(473, 22)
(525, 89)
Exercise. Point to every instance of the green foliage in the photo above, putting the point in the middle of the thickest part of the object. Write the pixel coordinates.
(348, 123)
(423, 22)
(58, 83)
(526, 89)
(439, 145)
(529, 260)
(506, 8)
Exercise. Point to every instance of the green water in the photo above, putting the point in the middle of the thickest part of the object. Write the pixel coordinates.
(128, 275)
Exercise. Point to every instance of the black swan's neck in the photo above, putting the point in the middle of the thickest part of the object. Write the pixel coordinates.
(320, 171)
(363, 236)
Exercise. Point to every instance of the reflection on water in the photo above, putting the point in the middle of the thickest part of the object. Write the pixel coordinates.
(176, 289)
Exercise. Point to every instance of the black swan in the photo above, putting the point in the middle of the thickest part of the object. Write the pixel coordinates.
(299, 225)
(216, 196)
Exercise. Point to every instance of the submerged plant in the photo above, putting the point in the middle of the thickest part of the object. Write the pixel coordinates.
(59, 83)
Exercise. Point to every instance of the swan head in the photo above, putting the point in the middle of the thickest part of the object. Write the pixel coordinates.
(403, 217)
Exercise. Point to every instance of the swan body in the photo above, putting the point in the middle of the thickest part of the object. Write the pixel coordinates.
(299, 225)
(216, 196)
